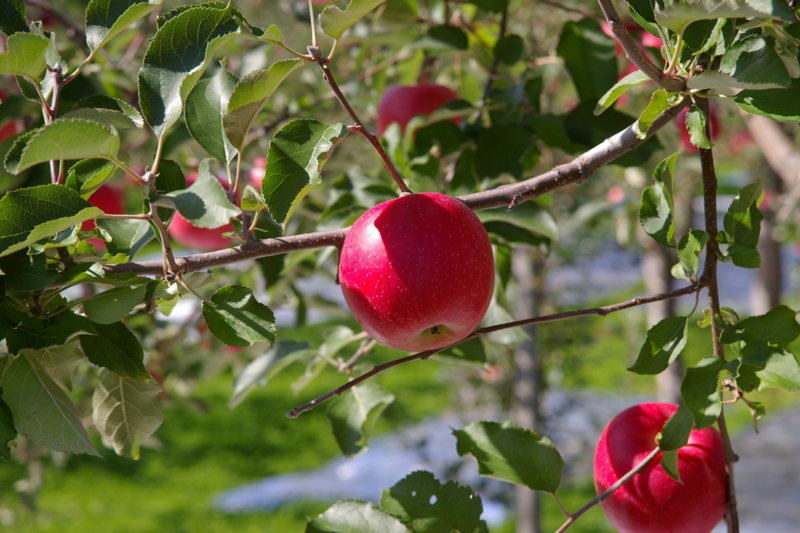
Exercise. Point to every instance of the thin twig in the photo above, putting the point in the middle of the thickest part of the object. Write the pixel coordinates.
(577, 171)
(169, 266)
(364, 349)
(710, 278)
(635, 55)
(602, 311)
(56, 171)
(327, 74)
(621, 481)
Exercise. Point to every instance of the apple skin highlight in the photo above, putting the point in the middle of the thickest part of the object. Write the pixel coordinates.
(414, 263)
(651, 501)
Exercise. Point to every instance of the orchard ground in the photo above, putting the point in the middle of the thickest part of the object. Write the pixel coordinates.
(206, 448)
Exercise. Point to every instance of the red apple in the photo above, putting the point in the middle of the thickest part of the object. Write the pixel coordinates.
(649, 40)
(651, 501)
(417, 271)
(109, 199)
(186, 234)
(401, 103)
(685, 141)
(257, 173)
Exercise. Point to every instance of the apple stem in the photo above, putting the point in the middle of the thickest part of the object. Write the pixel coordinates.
(635, 55)
(602, 311)
(710, 279)
(621, 481)
(327, 75)
(578, 170)
(56, 170)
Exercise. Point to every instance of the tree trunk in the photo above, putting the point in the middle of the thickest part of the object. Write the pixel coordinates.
(528, 379)
(656, 265)
(765, 289)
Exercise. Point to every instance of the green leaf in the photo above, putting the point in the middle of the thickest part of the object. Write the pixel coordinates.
(664, 343)
(655, 214)
(492, 6)
(778, 104)
(88, 175)
(527, 223)
(59, 362)
(353, 416)
(205, 109)
(753, 59)
(700, 391)
(444, 37)
(37, 333)
(113, 305)
(676, 15)
(31, 214)
(334, 22)
(116, 348)
(674, 435)
(252, 200)
(717, 80)
(659, 102)
(509, 49)
(126, 411)
(108, 111)
(12, 16)
(127, 236)
(778, 327)
(177, 57)
(105, 19)
(27, 273)
(689, 249)
(250, 95)
(236, 318)
(205, 203)
(426, 506)
(621, 87)
(471, 350)
(590, 58)
(780, 371)
(65, 138)
(511, 453)
(264, 367)
(41, 410)
(8, 431)
(25, 56)
(355, 517)
(293, 164)
(742, 222)
(696, 125)
(744, 255)
(501, 149)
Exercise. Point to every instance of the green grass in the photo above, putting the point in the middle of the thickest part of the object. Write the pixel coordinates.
(208, 448)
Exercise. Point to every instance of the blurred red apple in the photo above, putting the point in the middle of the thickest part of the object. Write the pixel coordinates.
(199, 238)
(109, 199)
(651, 501)
(257, 173)
(401, 103)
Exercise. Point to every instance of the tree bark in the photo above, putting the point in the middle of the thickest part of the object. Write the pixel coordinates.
(528, 381)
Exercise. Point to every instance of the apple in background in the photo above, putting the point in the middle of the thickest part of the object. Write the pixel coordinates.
(417, 271)
(183, 232)
(401, 103)
(257, 173)
(109, 199)
(651, 501)
(685, 141)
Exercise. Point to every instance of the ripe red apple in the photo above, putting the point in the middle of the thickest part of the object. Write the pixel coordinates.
(109, 199)
(401, 103)
(685, 141)
(651, 501)
(186, 234)
(417, 271)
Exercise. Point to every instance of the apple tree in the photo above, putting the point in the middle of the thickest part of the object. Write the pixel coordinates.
(252, 134)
